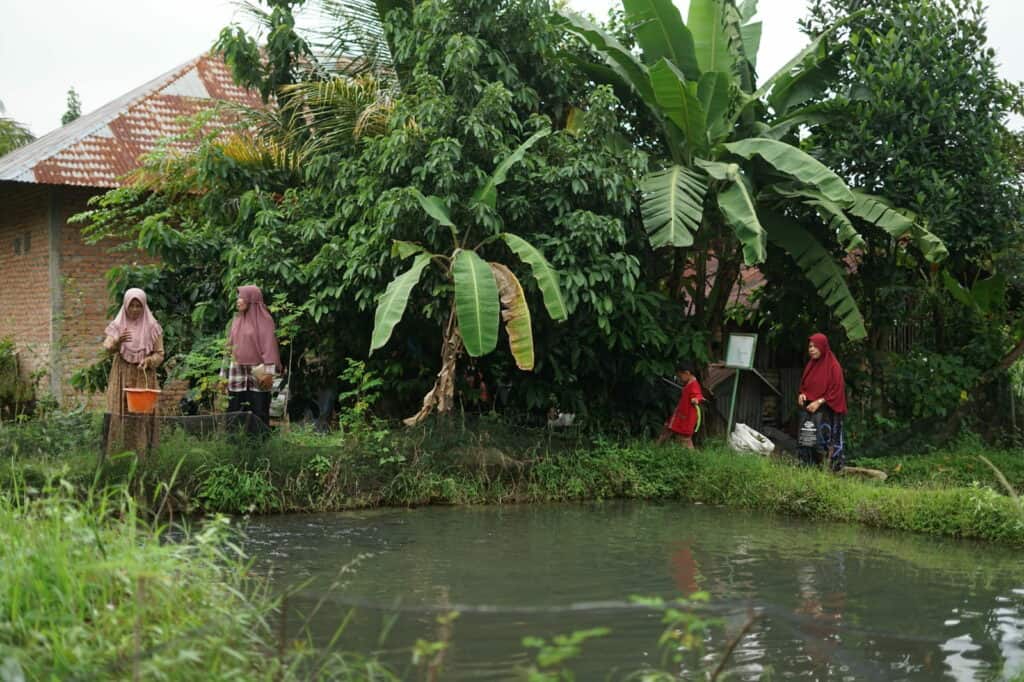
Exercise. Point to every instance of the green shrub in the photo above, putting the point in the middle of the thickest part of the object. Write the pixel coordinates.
(445, 462)
(54, 434)
(228, 488)
(15, 390)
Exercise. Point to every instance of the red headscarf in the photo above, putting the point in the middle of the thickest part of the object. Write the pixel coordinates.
(145, 330)
(823, 378)
(252, 332)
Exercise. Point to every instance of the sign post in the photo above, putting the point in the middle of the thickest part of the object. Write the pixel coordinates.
(739, 355)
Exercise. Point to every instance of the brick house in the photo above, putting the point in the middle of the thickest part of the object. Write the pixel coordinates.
(53, 296)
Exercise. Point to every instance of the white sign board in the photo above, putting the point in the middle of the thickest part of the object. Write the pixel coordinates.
(739, 352)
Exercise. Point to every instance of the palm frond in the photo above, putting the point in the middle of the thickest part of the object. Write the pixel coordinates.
(349, 39)
(260, 153)
(13, 135)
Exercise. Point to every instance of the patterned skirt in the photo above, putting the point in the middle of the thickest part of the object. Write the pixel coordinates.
(829, 446)
(124, 430)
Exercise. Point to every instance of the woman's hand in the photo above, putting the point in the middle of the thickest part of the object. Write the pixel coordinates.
(813, 407)
(125, 337)
(265, 382)
(801, 399)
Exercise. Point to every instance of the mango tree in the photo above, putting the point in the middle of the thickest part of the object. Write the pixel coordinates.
(482, 289)
(736, 170)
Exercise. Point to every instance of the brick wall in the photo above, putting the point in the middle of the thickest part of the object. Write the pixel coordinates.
(24, 276)
(86, 309)
(25, 312)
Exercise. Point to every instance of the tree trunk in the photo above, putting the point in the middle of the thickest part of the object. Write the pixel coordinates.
(442, 396)
(726, 274)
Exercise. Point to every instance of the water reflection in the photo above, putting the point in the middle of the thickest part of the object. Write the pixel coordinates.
(835, 602)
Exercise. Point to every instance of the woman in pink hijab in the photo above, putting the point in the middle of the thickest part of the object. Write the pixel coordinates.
(136, 340)
(254, 355)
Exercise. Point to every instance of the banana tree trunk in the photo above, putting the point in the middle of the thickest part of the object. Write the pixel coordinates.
(442, 396)
(727, 275)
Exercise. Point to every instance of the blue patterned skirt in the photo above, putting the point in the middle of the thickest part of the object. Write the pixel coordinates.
(830, 446)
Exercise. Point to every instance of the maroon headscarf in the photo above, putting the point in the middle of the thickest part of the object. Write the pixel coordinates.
(823, 378)
(145, 330)
(252, 337)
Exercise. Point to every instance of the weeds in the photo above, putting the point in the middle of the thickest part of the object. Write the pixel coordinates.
(90, 591)
(446, 462)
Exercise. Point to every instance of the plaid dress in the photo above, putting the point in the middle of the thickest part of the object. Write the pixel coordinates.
(240, 378)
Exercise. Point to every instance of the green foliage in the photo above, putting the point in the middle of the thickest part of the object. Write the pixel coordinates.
(237, 490)
(476, 303)
(12, 133)
(321, 239)
(445, 462)
(702, 90)
(363, 392)
(931, 384)
(74, 109)
(392, 303)
(15, 389)
(684, 634)
(821, 269)
(674, 204)
(270, 70)
(52, 435)
(923, 118)
(92, 590)
(955, 467)
(93, 378)
(552, 655)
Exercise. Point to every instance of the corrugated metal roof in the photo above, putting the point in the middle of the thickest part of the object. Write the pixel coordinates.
(98, 148)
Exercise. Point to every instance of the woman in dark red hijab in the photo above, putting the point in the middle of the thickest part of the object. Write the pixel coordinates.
(822, 401)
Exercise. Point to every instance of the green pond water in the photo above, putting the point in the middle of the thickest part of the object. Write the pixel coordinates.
(834, 601)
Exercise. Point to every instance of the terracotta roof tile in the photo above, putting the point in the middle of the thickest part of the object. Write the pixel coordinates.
(97, 149)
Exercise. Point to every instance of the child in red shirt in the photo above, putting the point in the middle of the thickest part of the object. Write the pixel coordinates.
(683, 422)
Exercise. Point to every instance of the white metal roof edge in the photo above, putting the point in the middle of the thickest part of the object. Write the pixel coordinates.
(17, 165)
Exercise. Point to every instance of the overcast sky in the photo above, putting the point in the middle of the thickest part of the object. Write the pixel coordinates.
(105, 48)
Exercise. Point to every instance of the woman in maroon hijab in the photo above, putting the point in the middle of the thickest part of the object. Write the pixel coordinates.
(822, 401)
(254, 356)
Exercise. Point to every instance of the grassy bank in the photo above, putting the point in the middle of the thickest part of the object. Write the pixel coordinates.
(89, 591)
(947, 493)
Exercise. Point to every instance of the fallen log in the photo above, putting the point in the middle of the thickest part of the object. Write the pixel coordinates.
(876, 474)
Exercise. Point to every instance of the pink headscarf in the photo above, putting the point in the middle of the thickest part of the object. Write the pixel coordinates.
(252, 337)
(145, 330)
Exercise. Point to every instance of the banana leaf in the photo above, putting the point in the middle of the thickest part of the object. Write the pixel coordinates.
(516, 314)
(476, 302)
(392, 303)
(543, 272)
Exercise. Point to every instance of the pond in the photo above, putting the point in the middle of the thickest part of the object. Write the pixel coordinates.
(834, 601)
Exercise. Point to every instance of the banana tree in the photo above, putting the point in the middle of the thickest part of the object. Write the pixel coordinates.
(483, 291)
(733, 177)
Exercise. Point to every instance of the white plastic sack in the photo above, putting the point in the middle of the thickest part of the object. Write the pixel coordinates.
(278, 398)
(746, 439)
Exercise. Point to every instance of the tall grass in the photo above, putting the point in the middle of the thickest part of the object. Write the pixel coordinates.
(89, 591)
(450, 464)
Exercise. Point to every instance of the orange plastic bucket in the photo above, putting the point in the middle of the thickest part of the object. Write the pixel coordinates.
(142, 400)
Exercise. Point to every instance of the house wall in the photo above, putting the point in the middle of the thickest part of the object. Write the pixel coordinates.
(84, 300)
(24, 272)
(86, 303)
(53, 292)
